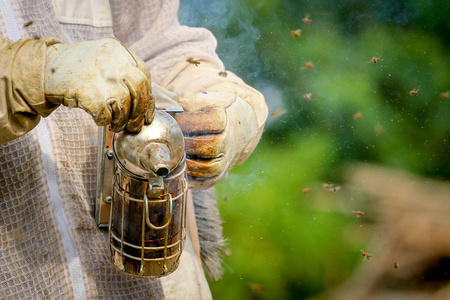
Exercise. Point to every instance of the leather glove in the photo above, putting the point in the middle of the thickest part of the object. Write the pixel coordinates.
(217, 126)
(102, 77)
(223, 126)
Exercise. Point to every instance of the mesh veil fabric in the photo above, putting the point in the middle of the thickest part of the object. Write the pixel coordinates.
(33, 263)
(29, 239)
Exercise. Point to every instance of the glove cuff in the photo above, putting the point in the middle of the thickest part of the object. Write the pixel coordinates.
(33, 77)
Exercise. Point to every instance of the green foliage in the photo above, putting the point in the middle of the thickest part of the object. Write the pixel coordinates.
(277, 238)
(297, 245)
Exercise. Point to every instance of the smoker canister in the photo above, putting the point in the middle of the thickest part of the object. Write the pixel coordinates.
(148, 211)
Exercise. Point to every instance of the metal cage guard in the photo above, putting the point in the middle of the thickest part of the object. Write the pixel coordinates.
(120, 247)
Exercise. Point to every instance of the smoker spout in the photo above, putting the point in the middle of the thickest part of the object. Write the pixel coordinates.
(155, 151)
(155, 157)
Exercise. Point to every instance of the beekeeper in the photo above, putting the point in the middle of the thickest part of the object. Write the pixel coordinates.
(58, 56)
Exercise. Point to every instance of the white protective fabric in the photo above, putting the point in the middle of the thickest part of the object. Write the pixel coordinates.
(50, 246)
(95, 13)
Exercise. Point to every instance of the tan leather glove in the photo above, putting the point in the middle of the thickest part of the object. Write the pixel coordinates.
(223, 119)
(102, 77)
(218, 126)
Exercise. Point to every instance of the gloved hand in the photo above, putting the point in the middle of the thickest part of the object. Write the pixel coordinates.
(217, 126)
(222, 126)
(102, 77)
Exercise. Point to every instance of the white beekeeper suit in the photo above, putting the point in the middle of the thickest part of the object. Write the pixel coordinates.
(50, 245)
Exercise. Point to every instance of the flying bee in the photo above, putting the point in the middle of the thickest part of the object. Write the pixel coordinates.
(192, 61)
(374, 60)
(296, 33)
(357, 116)
(308, 65)
(256, 287)
(306, 191)
(226, 252)
(278, 112)
(379, 130)
(223, 74)
(331, 187)
(28, 24)
(225, 197)
(366, 255)
(358, 213)
(414, 92)
(445, 95)
(307, 21)
(396, 266)
(335, 189)
(307, 96)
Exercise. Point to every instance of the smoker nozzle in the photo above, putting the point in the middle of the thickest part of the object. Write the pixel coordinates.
(155, 157)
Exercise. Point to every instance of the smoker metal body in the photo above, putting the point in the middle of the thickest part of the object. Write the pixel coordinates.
(142, 181)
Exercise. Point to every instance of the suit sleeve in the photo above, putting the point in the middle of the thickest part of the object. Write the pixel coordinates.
(22, 98)
(151, 30)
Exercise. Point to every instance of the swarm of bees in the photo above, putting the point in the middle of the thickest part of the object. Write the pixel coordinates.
(414, 92)
(378, 129)
(375, 59)
(193, 61)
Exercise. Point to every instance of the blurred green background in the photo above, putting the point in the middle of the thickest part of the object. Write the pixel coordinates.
(285, 243)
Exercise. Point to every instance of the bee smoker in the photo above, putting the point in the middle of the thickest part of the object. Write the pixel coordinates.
(141, 196)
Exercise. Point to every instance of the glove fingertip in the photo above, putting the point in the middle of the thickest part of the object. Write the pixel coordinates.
(116, 128)
(135, 125)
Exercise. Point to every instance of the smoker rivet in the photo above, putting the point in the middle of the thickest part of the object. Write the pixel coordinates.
(110, 154)
(108, 199)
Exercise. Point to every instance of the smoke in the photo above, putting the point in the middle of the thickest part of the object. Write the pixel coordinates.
(199, 13)
(231, 22)
(274, 100)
